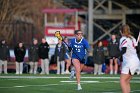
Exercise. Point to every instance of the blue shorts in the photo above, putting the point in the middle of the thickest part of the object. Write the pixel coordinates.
(80, 58)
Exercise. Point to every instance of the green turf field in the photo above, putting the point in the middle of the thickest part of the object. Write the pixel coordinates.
(26, 83)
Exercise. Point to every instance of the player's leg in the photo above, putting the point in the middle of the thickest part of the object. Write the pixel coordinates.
(81, 66)
(116, 65)
(111, 66)
(77, 64)
(72, 72)
(125, 82)
(68, 63)
(128, 80)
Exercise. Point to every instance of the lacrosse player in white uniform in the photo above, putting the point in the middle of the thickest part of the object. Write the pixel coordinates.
(131, 62)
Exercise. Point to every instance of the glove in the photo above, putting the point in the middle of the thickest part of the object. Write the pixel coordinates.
(69, 49)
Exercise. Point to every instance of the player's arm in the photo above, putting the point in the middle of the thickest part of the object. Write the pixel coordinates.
(123, 51)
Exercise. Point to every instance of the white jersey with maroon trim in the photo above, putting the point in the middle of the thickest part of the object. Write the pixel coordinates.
(130, 44)
(130, 58)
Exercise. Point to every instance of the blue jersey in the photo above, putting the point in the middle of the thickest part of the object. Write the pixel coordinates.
(79, 48)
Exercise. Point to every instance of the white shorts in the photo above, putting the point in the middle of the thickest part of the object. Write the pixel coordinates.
(131, 66)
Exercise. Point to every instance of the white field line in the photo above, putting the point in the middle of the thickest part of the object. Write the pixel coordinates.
(35, 85)
(67, 82)
(51, 77)
(80, 81)
(41, 85)
(132, 81)
(84, 82)
(138, 91)
(109, 92)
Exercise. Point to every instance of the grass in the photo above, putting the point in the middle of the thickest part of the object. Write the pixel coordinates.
(52, 83)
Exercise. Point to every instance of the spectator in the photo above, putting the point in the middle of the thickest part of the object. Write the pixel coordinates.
(33, 56)
(19, 52)
(60, 51)
(44, 56)
(113, 49)
(99, 58)
(4, 56)
(90, 61)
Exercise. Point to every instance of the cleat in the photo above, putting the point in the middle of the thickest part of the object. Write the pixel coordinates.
(79, 87)
(72, 75)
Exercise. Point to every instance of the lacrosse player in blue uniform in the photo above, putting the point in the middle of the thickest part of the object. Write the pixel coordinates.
(79, 47)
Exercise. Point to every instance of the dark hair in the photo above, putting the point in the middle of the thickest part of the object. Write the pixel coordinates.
(114, 34)
(65, 37)
(34, 39)
(2, 40)
(76, 31)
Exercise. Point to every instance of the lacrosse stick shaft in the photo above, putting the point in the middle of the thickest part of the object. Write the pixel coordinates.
(138, 39)
(70, 50)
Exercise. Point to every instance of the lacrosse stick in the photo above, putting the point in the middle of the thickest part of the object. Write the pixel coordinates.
(138, 39)
(58, 35)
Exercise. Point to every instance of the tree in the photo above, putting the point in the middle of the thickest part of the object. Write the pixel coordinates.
(26, 11)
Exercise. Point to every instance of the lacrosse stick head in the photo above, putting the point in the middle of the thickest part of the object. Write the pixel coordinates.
(58, 35)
